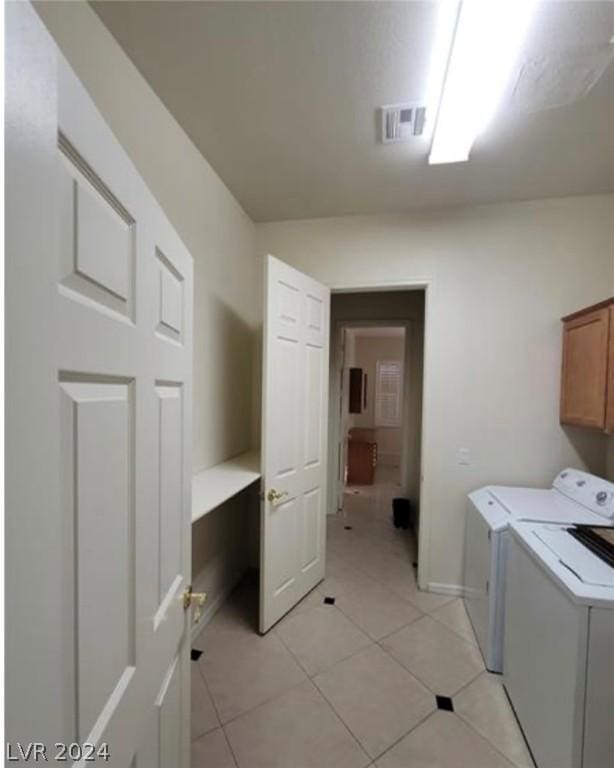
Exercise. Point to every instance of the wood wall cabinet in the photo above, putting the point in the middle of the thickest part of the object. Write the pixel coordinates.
(587, 380)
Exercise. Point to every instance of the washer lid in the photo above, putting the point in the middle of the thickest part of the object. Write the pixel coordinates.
(581, 574)
(573, 555)
(542, 505)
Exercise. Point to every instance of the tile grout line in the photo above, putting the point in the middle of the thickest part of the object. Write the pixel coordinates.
(215, 709)
(232, 752)
(282, 641)
(409, 672)
(486, 741)
(481, 735)
(455, 633)
(342, 721)
(394, 631)
(223, 724)
(384, 584)
(343, 658)
(345, 725)
(406, 733)
(350, 619)
(420, 680)
(273, 698)
(447, 626)
(375, 639)
(473, 679)
(217, 714)
(262, 703)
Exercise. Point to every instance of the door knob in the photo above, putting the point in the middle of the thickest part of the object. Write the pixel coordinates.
(274, 496)
(196, 599)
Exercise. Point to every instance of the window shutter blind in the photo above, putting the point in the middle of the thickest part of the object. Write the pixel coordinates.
(388, 395)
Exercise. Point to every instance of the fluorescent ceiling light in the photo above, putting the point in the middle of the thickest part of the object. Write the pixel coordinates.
(445, 24)
(485, 45)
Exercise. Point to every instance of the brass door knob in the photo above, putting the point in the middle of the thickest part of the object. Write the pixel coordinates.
(196, 599)
(274, 496)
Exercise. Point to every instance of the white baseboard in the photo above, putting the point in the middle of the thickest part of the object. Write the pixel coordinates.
(446, 589)
(211, 608)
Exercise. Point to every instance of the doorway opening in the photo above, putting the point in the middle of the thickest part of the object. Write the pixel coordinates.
(375, 426)
(371, 406)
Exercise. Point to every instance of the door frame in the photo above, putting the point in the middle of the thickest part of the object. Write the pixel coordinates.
(426, 285)
(337, 362)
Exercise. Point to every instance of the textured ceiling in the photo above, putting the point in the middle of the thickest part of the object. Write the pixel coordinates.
(281, 99)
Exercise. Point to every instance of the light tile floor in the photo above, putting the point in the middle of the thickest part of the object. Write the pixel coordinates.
(352, 684)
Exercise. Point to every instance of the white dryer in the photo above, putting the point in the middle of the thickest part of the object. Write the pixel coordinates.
(559, 642)
(575, 497)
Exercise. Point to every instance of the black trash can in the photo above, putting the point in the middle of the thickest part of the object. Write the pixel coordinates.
(402, 513)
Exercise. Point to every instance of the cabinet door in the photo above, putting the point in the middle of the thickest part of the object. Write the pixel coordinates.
(609, 420)
(361, 462)
(584, 375)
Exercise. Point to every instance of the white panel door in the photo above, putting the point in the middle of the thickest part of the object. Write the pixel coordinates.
(294, 438)
(110, 314)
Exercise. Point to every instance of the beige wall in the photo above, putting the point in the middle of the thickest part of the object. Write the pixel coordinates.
(218, 234)
(500, 277)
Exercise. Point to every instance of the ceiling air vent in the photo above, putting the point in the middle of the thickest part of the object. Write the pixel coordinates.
(402, 122)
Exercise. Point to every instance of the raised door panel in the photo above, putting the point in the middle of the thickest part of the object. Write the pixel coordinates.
(170, 462)
(171, 302)
(283, 524)
(584, 372)
(162, 737)
(97, 432)
(311, 520)
(313, 407)
(97, 237)
(169, 713)
(285, 409)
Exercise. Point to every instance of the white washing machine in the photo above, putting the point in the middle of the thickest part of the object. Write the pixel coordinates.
(559, 643)
(575, 497)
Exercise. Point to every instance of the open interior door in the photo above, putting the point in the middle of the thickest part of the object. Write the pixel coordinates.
(99, 367)
(294, 438)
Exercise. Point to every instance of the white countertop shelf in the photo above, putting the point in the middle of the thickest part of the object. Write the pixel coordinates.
(215, 485)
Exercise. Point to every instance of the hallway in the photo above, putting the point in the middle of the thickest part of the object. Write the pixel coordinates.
(350, 677)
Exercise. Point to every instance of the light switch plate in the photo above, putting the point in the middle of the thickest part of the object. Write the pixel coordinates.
(464, 456)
